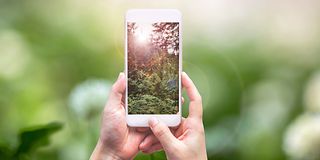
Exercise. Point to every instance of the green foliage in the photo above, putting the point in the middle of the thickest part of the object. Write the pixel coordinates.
(157, 155)
(30, 140)
(149, 104)
(153, 70)
(46, 50)
(154, 91)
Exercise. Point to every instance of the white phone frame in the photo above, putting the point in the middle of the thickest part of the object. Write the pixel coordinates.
(151, 16)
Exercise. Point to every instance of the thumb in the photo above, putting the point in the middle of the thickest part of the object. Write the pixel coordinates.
(163, 133)
(117, 91)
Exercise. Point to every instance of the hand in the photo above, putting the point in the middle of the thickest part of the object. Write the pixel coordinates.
(117, 140)
(187, 141)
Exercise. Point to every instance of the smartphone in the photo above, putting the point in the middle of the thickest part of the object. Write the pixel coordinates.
(153, 55)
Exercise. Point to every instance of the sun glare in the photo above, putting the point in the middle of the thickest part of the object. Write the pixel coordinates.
(143, 32)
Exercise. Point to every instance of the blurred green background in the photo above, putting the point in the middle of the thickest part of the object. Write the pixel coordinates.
(256, 64)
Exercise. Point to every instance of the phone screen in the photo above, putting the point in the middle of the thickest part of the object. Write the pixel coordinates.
(153, 67)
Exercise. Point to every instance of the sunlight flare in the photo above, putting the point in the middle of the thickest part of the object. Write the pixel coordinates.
(143, 32)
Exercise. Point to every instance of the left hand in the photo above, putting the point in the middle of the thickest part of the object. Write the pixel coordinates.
(117, 140)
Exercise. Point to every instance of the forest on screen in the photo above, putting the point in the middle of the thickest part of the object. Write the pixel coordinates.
(153, 68)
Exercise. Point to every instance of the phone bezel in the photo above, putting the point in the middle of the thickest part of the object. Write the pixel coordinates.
(151, 16)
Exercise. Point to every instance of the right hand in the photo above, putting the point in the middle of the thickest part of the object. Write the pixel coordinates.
(187, 141)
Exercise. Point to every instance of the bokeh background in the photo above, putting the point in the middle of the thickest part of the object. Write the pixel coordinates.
(256, 64)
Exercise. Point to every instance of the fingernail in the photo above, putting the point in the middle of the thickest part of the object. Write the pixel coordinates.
(142, 143)
(120, 75)
(153, 121)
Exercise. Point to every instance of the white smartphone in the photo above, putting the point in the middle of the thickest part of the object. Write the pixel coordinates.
(153, 65)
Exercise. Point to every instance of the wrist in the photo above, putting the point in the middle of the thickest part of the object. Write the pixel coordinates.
(101, 152)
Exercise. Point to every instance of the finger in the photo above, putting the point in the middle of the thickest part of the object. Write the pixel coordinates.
(195, 106)
(151, 139)
(154, 148)
(135, 137)
(142, 129)
(148, 142)
(117, 91)
(163, 133)
(183, 135)
(123, 99)
(175, 128)
(179, 131)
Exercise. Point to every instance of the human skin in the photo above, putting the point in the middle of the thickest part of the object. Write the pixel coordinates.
(118, 141)
(187, 141)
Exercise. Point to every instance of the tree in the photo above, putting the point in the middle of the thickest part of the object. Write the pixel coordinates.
(153, 69)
